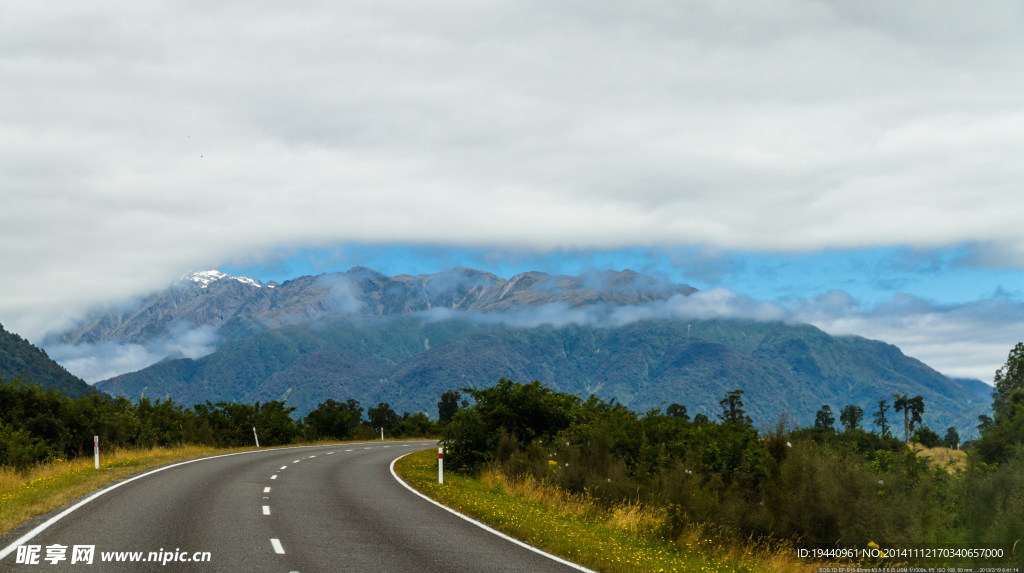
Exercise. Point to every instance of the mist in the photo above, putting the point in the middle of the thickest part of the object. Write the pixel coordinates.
(94, 362)
(342, 295)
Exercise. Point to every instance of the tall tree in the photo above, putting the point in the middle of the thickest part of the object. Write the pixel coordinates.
(824, 418)
(449, 405)
(1004, 431)
(851, 416)
(879, 417)
(1009, 383)
(677, 411)
(984, 423)
(912, 409)
(732, 409)
(952, 438)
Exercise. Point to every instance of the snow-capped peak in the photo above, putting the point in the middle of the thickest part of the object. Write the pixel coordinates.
(204, 278)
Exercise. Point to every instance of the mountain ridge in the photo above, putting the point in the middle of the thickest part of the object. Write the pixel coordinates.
(243, 306)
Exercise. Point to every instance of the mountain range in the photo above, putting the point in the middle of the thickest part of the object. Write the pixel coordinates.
(406, 339)
(241, 306)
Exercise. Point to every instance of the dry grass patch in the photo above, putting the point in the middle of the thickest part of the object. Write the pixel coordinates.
(950, 459)
(636, 518)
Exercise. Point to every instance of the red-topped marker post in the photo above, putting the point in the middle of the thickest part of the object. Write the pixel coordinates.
(440, 465)
(96, 450)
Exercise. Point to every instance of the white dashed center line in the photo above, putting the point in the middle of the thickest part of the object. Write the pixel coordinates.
(266, 510)
(278, 548)
(266, 489)
(296, 461)
(273, 476)
(283, 467)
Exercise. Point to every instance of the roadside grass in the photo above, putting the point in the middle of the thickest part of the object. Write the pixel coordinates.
(624, 538)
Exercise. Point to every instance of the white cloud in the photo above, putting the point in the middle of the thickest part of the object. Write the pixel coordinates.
(139, 142)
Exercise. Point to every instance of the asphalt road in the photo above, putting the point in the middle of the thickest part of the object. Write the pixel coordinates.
(311, 509)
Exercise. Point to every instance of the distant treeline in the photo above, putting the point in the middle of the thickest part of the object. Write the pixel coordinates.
(816, 486)
(37, 425)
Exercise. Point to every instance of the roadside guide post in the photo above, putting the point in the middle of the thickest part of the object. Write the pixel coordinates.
(96, 450)
(255, 436)
(440, 466)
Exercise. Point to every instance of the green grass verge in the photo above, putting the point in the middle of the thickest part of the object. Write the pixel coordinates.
(588, 539)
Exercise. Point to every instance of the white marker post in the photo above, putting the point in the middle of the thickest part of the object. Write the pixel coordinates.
(96, 450)
(382, 433)
(255, 436)
(440, 466)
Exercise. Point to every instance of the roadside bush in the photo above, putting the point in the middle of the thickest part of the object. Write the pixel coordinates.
(333, 419)
(20, 450)
(926, 437)
(993, 504)
(526, 412)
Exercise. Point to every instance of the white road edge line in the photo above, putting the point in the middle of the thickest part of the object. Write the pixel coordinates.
(485, 527)
(46, 524)
(278, 548)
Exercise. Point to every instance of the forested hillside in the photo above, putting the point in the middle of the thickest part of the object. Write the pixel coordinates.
(20, 359)
(783, 368)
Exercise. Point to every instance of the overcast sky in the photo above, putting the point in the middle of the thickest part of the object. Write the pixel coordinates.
(855, 163)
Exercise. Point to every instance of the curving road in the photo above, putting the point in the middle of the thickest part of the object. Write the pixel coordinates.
(310, 509)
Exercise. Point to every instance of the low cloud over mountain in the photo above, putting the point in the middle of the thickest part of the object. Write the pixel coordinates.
(205, 310)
